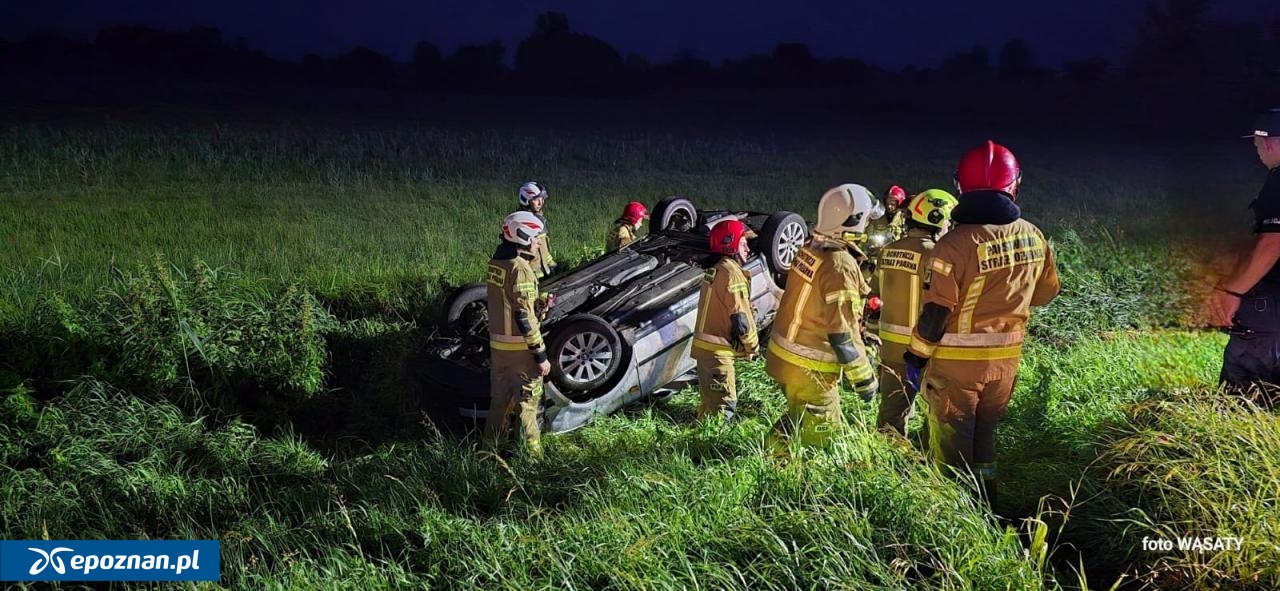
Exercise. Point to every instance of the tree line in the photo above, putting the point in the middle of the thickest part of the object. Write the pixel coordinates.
(1179, 54)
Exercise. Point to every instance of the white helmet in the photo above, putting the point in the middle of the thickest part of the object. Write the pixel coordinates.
(521, 228)
(844, 211)
(530, 191)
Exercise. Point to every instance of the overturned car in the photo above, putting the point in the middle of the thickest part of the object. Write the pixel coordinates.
(621, 325)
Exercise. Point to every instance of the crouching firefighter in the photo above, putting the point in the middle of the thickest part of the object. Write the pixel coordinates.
(816, 339)
(517, 356)
(984, 276)
(726, 325)
(626, 227)
(899, 280)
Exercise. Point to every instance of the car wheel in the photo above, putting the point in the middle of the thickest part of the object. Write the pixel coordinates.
(585, 353)
(467, 312)
(781, 237)
(673, 213)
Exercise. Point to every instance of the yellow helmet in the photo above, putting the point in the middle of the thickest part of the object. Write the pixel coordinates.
(933, 208)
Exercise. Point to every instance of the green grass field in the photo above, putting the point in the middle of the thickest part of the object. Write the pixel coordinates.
(209, 332)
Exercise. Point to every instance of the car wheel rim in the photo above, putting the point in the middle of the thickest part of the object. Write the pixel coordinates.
(586, 357)
(789, 242)
(680, 221)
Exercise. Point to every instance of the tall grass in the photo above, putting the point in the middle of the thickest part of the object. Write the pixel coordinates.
(1201, 467)
(1052, 438)
(640, 501)
(328, 249)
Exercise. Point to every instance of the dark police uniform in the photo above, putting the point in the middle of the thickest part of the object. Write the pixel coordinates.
(1253, 351)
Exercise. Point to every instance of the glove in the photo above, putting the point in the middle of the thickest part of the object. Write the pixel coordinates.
(873, 346)
(915, 367)
(867, 390)
(913, 378)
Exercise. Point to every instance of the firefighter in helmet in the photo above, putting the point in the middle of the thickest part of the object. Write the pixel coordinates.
(517, 355)
(626, 227)
(894, 222)
(898, 282)
(533, 196)
(816, 341)
(726, 325)
(984, 276)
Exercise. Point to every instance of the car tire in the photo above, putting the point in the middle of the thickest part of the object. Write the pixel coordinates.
(673, 213)
(781, 237)
(585, 353)
(467, 313)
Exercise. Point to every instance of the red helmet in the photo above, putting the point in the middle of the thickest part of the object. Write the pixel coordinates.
(990, 166)
(725, 235)
(634, 212)
(895, 196)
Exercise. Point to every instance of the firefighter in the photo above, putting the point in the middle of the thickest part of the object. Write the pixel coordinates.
(895, 218)
(726, 325)
(899, 281)
(626, 227)
(517, 355)
(1246, 301)
(816, 338)
(533, 196)
(983, 277)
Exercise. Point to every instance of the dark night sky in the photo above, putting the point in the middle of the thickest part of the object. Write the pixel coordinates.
(887, 33)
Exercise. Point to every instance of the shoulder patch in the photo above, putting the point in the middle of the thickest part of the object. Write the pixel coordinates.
(1009, 251)
(940, 266)
(900, 259)
(709, 275)
(497, 275)
(806, 264)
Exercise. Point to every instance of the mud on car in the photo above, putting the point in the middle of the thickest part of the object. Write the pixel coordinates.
(622, 324)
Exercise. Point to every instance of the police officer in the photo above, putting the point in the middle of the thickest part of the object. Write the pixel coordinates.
(533, 196)
(816, 337)
(517, 355)
(626, 227)
(899, 282)
(726, 325)
(983, 277)
(1248, 300)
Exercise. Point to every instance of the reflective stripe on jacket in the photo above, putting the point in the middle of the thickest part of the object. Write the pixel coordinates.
(823, 297)
(725, 291)
(987, 276)
(513, 319)
(899, 280)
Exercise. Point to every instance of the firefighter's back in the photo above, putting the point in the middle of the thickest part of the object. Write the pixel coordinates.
(997, 269)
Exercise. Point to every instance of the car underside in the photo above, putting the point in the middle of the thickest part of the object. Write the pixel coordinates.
(621, 325)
